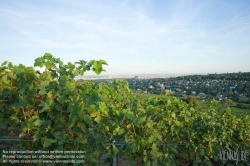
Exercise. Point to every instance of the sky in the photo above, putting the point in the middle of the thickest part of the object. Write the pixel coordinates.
(133, 36)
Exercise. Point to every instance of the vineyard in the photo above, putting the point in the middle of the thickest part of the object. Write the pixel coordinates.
(56, 112)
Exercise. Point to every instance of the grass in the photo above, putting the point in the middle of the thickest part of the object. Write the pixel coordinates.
(239, 112)
(147, 96)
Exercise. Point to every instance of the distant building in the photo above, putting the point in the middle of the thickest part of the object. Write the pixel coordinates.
(180, 81)
(184, 97)
(202, 95)
(219, 96)
(161, 86)
(193, 93)
(151, 87)
(241, 95)
(178, 89)
(139, 91)
(225, 94)
(167, 87)
(167, 90)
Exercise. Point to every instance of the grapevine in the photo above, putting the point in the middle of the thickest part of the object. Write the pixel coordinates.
(57, 112)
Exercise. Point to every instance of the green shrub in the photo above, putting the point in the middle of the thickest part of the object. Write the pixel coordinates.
(193, 101)
(243, 99)
(244, 106)
(229, 102)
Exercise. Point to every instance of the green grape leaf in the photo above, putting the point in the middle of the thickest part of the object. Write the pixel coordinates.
(103, 62)
(48, 56)
(98, 118)
(49, 101)
(102, 106)
(4, 63)
(36, 136)
(44, 105)
(72, 116)
(115, 150)
(58, 134)
(39, 62)
(58, 107)
(130, 115)
(62, 98)
(48, 142)
(3, 124)
(94, 114)
(121, 131)
(19, 70)
(177, 123)
(22, 87)
(39, 122)
(173, 115)
(76, 72)
(151, 139)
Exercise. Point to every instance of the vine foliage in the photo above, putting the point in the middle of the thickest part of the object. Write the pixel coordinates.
(59, 113)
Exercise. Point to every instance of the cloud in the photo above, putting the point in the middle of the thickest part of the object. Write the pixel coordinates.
(131, 33)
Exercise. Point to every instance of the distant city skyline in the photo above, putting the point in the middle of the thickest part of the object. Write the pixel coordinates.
(140, 76)
(134, 37)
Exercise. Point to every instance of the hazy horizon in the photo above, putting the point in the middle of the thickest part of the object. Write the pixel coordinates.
(155, 74)
(134, 37)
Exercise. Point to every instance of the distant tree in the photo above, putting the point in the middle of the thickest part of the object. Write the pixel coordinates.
(244, 106)
(219, 90)
(247, 85)
(229, 102)
(165, 93)
(213, 92)
(193, 101)
(210, 97)
(240, 88)
(243, 99)
(231, 92)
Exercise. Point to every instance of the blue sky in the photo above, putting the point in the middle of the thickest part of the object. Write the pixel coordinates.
(133, 36)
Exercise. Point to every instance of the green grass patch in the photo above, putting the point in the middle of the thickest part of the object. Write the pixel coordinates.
(147, 96)
(239, 112)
